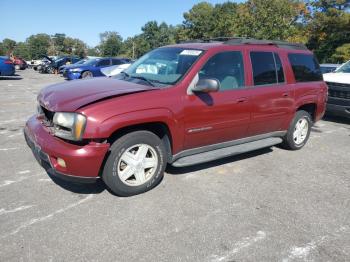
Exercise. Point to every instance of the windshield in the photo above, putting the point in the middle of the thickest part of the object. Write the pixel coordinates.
(345, 68)
(163, 66)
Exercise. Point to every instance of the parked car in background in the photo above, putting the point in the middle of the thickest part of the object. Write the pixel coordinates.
(114, 70)
(327, 68)
(19, 63)
(63, 67)
(92, 67)
(339, 91)
(183, 105)
(53, 66)
(6, 66)
(39, 64)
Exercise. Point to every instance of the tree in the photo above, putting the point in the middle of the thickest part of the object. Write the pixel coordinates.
(111, 43)
(224, 19)
(2, 49)
(328, 27)
(199, 21)
(21, 50)
(269, 19)
(9, 45)
(342, 54)
(38, 45)
(92, 51)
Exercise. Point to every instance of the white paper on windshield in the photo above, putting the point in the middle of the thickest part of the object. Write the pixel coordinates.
(191, 52)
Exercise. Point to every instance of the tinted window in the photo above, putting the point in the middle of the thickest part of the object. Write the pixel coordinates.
(305, 68)
(117, 62)
(264, 70)
(227, 67)
(103, 62)
(279, 69)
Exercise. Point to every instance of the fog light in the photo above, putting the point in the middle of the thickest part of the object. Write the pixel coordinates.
(61, 162)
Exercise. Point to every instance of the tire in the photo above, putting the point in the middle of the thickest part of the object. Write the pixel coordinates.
(294, 139)
(17, 67)
(86, 74)
(131, 154)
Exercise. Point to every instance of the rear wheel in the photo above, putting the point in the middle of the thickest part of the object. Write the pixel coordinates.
(86, 74)
(299, 131)
(136, 163)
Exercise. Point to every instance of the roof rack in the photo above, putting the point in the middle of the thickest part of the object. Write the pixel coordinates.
(252, 41)
(249, 41)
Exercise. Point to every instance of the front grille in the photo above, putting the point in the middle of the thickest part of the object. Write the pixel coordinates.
(338, 90)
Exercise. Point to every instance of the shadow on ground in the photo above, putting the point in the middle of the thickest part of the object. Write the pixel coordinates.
(80, 188)
(183, 170)
(336, 119)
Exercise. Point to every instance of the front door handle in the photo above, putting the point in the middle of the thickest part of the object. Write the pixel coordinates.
(285, 94)
(241, 100)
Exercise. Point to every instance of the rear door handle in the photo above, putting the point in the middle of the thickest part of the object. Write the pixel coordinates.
(241, 100)
(285, 94)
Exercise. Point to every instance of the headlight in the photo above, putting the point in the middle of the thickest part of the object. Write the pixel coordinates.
(75, 70)
(69, 126)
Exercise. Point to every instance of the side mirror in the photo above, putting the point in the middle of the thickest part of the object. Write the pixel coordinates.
(206, 85)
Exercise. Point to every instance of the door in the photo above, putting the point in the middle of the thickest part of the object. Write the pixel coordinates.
(272, 98)
(216, 117)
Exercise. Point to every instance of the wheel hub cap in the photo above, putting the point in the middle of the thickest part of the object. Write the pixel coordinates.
(300, 131)
(137, 165)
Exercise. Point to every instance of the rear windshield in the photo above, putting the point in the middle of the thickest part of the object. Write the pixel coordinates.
(305, 68)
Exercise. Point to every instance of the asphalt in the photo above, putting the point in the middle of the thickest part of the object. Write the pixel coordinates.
(268, 205)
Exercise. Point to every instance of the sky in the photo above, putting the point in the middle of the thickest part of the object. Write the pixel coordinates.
(86, 19)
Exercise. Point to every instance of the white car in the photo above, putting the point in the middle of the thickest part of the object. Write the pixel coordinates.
(114, 70)
(339, 90)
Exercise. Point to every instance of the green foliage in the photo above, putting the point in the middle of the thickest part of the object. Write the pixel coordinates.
(225, 17)
(21, 50)
(111, 43)
(9, 45)
(199, 21)
(38, 45)
(328, 27)
(268, 19)
(342, 54)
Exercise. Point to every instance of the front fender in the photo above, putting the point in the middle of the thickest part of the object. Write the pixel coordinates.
(109, 126)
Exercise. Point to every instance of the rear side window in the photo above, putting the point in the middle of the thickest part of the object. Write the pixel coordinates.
(267, 68)
(305, 68)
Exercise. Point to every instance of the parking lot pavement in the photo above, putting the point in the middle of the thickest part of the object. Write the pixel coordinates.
(268, 205)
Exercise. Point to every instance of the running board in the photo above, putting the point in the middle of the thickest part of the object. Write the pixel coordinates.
(225, 152)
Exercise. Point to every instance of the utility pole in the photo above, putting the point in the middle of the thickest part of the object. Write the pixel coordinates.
(133, 50)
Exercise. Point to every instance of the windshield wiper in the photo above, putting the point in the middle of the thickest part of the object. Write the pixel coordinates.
(137, 77)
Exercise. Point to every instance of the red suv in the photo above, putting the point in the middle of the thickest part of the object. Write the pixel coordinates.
(181, 104)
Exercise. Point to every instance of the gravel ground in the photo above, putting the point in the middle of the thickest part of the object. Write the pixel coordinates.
(268, 205)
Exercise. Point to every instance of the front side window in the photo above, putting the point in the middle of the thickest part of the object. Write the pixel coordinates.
(104, 62)
(117, 62)
(305, 67)
(162, 66)
(227, 68)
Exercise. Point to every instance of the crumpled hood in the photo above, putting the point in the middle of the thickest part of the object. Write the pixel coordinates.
(69, 96)
(342, 78)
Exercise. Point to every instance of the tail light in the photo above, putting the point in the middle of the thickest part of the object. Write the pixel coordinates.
(8, 61)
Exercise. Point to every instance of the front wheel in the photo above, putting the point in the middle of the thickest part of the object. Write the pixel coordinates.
(299, 131)
(17, 67)
(136, 163)
(86, 74)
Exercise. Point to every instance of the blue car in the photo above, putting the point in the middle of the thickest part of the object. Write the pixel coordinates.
(6, 66)
(91, 68)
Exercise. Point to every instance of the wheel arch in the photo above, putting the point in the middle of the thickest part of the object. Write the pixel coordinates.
(310, 107)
